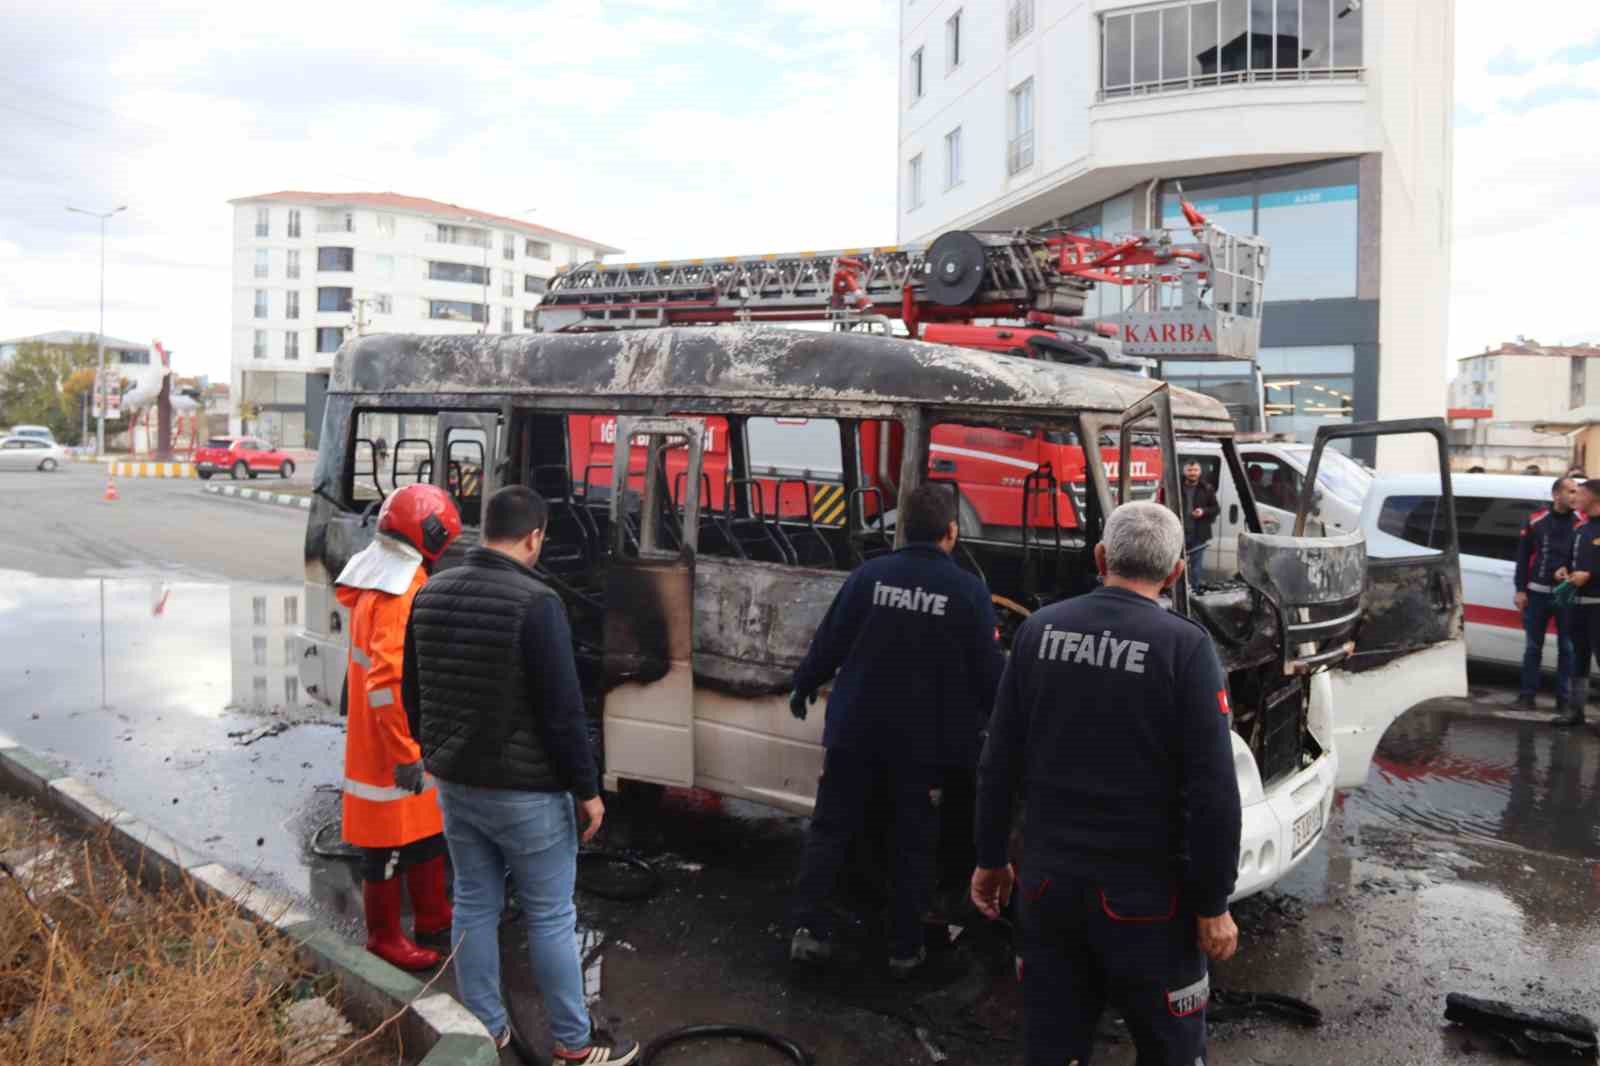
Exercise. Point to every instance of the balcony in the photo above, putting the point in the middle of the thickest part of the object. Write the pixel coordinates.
(1019, 153)
(457, 235)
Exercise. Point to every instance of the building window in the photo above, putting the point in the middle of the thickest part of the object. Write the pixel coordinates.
(258, 687)
(336, 260)
(383, 304)
(474, 238)
(261, 303)
(537, 249)
(291, 610)
(291, 263)
(258, 650)
(261, 262)
(463, 272)
(329, 338)
(952, 42)
(534, 283)
(457, 311)
(259, 348)
(386, 225)
(508, 284)
(952, 158)
(1577, 382)
(1195, 43)
(291, 345)
(294, 222)
(916, 75)
(508, 246)
(258, 610)
(291, 691)
(914, 182)
(263, 222)
(528, 319)
(1019, 152)
(383, 267)
(333, 299)
(506, 322)
(1019, 20)
(291, 304)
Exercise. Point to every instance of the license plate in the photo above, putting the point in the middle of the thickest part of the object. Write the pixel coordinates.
(1306, 828)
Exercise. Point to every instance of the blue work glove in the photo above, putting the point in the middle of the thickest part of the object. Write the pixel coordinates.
(1565, 595)
(409, 776)
(798, 701)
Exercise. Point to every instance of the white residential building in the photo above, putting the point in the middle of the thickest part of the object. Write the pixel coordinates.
(1324, 126)
(1500, 394)
(310, 269)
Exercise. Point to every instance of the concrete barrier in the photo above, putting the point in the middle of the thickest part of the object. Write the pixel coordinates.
(142, 468)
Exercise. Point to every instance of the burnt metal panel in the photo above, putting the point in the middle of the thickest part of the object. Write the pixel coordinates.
(743, 363)
(649, 619)
(754, 622)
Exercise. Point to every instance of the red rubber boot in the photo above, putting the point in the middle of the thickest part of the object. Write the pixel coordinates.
(430, 898)
(385, 939)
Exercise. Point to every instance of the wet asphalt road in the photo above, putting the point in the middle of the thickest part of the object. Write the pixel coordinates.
(1470, 861)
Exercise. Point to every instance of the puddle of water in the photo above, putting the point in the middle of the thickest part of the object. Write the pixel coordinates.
(1485, 780)
(147, 688)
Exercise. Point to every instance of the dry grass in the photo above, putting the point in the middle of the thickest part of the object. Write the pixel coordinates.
(95, 970)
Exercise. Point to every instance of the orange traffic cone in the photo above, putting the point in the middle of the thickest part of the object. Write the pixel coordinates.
(111, 487)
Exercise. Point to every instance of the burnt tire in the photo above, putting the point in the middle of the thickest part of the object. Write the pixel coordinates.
(286, 471)
(239, 471)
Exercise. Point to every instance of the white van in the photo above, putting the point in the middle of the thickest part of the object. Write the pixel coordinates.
(1276, 471)
(1401, 514)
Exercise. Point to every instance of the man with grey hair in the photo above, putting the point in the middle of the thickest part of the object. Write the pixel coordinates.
(1112, 722)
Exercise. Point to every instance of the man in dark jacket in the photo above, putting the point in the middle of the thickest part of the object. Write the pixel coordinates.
(1200, 510)
(914, 642)
(491, 690)
(1112, 723)
(1544, 550)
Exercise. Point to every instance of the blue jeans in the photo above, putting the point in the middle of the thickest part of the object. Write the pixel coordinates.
(534, 837)
(1535, 621)
(1197, 559)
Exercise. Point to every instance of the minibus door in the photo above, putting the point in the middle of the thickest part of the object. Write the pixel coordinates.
(649, 614)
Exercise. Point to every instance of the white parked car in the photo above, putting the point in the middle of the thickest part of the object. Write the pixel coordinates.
(30, 453)
(1276, 470)
(1401, 517)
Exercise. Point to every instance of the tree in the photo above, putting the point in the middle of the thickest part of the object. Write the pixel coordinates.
(44, 384)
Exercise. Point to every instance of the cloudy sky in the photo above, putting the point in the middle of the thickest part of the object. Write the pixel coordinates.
(669, 127)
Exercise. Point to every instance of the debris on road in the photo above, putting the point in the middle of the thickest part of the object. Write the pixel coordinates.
(247, 737)
(1531, 1032)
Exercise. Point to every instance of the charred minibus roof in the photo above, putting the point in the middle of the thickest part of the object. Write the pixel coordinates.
(743, 365)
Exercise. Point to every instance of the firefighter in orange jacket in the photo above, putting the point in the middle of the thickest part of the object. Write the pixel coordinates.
(391, 811)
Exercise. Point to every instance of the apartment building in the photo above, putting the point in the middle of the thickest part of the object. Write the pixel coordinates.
(311, 269)
(1323, 126)
(118, 352)
(1501, 395)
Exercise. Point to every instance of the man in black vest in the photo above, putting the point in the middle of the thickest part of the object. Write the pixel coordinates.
(491, 690)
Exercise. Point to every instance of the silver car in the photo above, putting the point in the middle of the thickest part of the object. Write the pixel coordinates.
(30, 453)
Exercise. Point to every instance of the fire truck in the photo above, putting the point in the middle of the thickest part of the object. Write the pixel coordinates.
(1192, 293)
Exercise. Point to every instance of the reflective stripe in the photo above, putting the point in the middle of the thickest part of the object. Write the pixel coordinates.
(383, 697)
(359, 657)
(382, 794)
(948, 449)
(1535, 587)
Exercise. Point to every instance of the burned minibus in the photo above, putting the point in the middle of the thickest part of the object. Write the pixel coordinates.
(692, 598)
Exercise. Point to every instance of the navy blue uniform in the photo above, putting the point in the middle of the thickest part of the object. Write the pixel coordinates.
(1545, 547)
(1112, 722)
(1585, 557)
(914, 642)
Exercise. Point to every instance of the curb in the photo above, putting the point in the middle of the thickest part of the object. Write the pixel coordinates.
(278, 499)
(124, 469)
(372, 989)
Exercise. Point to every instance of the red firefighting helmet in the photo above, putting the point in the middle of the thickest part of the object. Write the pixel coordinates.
(424, 516)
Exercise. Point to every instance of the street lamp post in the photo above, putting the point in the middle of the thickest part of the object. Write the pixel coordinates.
(100, 337)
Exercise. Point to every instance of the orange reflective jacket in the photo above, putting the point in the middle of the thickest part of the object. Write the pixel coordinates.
(377, 813)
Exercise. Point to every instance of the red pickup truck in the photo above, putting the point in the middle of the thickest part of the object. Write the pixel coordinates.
(241, 456)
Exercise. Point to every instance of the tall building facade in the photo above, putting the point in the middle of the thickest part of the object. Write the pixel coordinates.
(311, 269)
(1500, 398)
(1322, 126)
